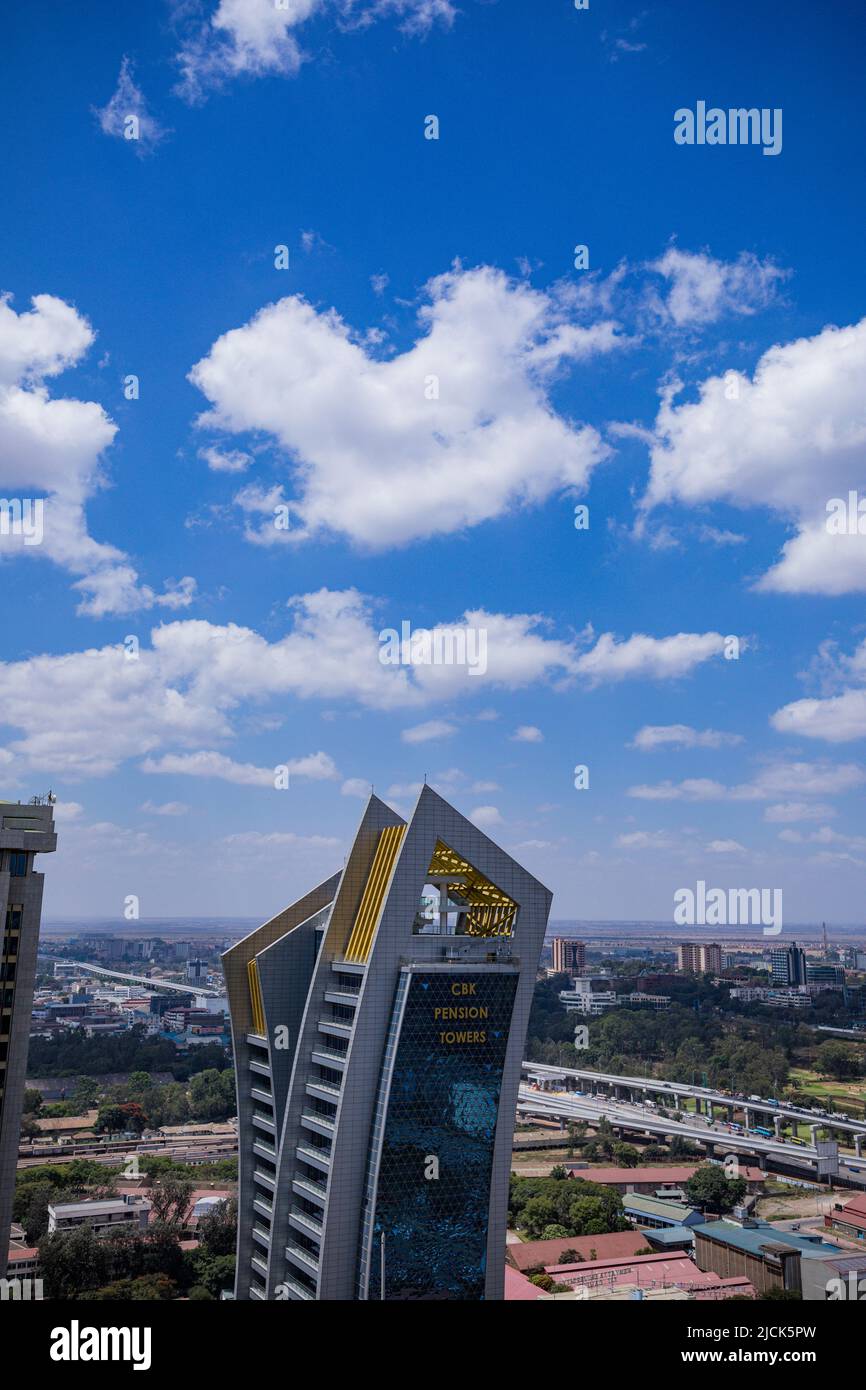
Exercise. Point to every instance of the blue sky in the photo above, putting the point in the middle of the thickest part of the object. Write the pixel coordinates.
(699, 387)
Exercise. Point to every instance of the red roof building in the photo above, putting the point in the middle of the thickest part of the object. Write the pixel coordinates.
(659, 1271)
(535, 1255)
(519, 1289)
(849, 1218)
(647, 1181)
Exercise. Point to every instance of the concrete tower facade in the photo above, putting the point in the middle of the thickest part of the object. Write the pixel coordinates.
(379, 1026)
(25, 831)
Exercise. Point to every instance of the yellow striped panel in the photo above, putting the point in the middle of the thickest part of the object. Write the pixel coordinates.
(361, 940)
(492, 912)
(256, 997)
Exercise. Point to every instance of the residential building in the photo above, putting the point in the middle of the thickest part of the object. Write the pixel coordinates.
(25, 831)
(180, 1018)
(569, 956)
(695, 958)
(379, 1026)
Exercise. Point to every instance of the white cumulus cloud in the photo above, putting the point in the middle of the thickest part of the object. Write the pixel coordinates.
(377, 456)
(51, 450)
(789, 440)
(257, 38)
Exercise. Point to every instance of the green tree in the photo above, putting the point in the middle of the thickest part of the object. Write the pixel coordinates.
(214, 1272)
(29, 1127)
(838, 1060)
(212, 1095)
(114, 1119)
(217, 1230)
(146, 1288)
(32, 1103)
(72, 1263)
(139, 1081)
(35, 1220)
(170, 1198)
(708, 1187)
(85, 1094)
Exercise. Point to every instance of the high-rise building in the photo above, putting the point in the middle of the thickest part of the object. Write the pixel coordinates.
(788, 965)
(379, 1026)
(25, 831)
(569, 956)
(699, 958)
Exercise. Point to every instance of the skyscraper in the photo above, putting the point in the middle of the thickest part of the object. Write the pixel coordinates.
(788, 965)
(379, 1026)
(25, 831)
(569, 956)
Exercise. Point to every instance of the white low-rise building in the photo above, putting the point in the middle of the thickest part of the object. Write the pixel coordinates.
(125, 1212)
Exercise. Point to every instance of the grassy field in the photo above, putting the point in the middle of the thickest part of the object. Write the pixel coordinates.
(841, 1094)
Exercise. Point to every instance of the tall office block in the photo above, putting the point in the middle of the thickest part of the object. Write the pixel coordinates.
(569, 956)
(25, 831)
(788, 965)
(379, 1026)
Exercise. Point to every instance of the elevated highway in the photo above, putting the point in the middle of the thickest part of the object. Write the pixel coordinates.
(706, 1100)
(717, 1140)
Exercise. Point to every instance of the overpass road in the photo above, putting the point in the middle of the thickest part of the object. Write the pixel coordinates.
(631, 1119)
(703, 1095)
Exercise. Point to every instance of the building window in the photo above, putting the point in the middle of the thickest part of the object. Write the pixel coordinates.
(17, 863)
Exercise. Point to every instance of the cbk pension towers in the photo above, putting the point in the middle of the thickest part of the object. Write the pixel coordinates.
(379, 1026)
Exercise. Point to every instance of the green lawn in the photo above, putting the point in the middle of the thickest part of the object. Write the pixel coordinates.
(840, 1093)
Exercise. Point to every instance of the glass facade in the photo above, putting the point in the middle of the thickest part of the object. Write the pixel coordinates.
(434, 1173)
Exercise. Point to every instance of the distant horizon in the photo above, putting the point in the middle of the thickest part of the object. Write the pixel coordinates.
(633, 927)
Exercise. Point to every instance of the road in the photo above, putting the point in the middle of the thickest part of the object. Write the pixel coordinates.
(129, 978)
(702, 1093)
(631, 1119)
